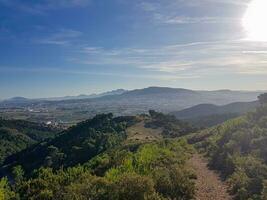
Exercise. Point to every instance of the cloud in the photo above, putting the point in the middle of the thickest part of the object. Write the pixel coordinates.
(60, 37)
(172, 12)
(197, 20)
(192, 59)
(191, 3)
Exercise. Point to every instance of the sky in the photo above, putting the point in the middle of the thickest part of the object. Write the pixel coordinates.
(54, 48)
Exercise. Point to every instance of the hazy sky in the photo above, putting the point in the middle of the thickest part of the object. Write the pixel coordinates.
(67, 47)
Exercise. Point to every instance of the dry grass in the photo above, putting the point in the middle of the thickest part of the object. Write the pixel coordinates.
(138, 133)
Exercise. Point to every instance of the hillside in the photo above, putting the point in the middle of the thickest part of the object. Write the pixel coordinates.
(207, 115)
(203, 110)
(237, 149)
(107, 157)
(16, 135)
(89, 138)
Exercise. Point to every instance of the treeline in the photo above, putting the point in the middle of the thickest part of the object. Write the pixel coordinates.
(238, 148)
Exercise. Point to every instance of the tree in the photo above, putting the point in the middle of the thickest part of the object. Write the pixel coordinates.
(263, 98)
(5, 190)
(18, 174)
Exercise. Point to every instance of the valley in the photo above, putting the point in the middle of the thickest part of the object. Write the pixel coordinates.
(151, 156)
(69, 111)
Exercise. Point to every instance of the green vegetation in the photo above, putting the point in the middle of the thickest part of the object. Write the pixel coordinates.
(139, 158)
(5, 190)
(171, 126)
(96, 160)
(153, 171)
(74, 146)
(16, 135)
(238, 149)
(211, 120)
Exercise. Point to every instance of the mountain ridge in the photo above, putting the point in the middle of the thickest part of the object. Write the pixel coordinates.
(211, 109)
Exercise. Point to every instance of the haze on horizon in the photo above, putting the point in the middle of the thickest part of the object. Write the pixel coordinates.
(69, 47)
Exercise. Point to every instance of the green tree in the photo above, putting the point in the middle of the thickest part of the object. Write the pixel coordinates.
(18, 174)
(5, 191)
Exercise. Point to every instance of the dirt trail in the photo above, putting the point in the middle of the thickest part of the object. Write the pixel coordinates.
(209, 186)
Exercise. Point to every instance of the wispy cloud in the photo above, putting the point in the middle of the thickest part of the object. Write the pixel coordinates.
(169, 13)
(197, 20)
(60, 37)
(192, 59)
(150, 4)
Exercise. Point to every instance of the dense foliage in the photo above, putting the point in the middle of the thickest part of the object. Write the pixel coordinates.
(238, 149)
(16, 135)
(93, 160)
(155, 171)
(75, 145)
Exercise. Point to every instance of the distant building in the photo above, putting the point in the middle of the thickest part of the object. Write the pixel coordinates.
(48, 123)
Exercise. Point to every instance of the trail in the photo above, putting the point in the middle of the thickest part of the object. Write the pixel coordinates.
(209, 185)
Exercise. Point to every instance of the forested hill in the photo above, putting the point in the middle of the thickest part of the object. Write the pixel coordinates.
(80, 143)
(208, 115)
(107, 158)
(238, 148)
(204, 110)
(16, 135)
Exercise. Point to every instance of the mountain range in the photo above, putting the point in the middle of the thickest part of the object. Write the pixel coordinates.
(81, 96)
(120, 102)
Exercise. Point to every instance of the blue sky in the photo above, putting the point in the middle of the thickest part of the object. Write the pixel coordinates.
(69, 47)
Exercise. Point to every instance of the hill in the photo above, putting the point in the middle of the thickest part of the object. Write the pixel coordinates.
(106, 158)
(87, 139)
(16, 135)
(206, 115)
(237, 148)
(202, 110)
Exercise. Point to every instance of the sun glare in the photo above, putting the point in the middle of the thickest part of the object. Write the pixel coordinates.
(255, 20)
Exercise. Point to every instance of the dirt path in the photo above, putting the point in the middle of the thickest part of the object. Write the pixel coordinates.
(209, 186)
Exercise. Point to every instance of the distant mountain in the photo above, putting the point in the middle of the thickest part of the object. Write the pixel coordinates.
(170, 99)
(159, 91)
(16, 100)
(206, 115)
(81, 96)
(211, 109)
(84, 96)
(121, 102)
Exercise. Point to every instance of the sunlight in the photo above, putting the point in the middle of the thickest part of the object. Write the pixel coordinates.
(255, 20)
